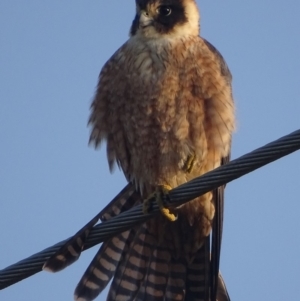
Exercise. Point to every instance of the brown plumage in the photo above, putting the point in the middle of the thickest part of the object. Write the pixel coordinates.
(164, 106)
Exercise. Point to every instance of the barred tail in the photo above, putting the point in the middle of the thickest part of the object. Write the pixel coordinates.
(102, 268)
(73, 247)
(140, 265)
(144, 271)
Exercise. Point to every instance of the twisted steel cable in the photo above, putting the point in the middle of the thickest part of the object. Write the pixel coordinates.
(179, 195)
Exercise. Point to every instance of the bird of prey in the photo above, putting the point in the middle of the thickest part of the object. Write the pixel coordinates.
(164, 106)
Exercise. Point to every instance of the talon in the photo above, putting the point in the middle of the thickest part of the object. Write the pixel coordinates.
(158, 195)
(189, 164)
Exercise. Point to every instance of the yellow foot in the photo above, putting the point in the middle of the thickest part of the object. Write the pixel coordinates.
(189, 163)
(159, 198)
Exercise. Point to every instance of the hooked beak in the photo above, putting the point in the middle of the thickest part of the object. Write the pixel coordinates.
(145, 20)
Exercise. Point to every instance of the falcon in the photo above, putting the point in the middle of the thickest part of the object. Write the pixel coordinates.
(164, 107)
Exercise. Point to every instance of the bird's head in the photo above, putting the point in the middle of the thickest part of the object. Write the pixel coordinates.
(156, 18)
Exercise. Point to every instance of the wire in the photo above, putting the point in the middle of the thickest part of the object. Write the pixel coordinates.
(179, 195)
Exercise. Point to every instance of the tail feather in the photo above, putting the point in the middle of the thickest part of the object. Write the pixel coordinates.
(111, 253)
(71, 250)
(222, 293)
(197, 278)
(125, 200)
(154, 283)
(73, 247)
(132, 267)
(142, 266)
(102, 268)
(176, 286)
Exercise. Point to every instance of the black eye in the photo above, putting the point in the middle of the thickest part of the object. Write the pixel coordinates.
(164, 10)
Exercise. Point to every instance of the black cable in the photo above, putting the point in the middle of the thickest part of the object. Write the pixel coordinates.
(179, 195)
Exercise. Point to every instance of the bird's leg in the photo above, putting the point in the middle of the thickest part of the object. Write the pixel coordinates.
(159, 196)
(189, 163)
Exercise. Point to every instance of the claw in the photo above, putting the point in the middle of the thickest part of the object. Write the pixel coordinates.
(158, 195)
(189, 164)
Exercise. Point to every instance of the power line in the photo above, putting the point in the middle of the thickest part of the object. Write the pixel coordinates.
(179, 195)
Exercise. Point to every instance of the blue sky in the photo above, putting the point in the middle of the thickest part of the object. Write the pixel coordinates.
(52, 183)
